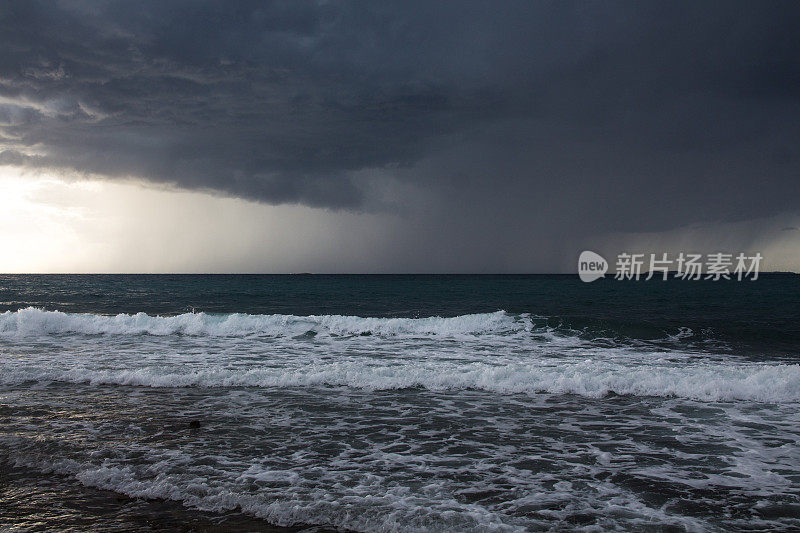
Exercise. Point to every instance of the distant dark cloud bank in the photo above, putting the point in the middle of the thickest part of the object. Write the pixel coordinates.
(504, 121)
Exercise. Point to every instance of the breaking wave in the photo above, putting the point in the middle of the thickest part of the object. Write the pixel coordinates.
(559, 365)
(34, 321)
(706, 382)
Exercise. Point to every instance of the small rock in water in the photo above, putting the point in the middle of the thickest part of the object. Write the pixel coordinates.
(194, 424)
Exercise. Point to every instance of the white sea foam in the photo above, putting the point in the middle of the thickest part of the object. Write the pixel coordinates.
(393, 509)
(367, 502)
(777, 383)
(32, 321)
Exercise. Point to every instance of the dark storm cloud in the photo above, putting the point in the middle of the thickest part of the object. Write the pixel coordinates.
(643, 115)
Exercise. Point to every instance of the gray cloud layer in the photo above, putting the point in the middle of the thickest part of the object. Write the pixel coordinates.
(571, 118)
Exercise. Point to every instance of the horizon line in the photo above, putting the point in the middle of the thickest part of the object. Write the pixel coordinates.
(331, 273)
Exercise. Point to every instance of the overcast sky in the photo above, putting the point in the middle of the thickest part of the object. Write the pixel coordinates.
(389, 137)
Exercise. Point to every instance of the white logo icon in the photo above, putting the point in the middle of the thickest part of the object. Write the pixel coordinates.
(591, 266)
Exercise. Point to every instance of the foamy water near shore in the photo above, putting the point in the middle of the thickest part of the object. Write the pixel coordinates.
(486, 421)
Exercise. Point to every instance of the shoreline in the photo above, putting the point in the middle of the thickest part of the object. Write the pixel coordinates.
(32, 501)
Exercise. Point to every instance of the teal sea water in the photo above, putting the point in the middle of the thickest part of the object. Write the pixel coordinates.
(411, 402)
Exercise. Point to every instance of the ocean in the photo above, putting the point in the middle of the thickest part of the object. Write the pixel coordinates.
(398, 403)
